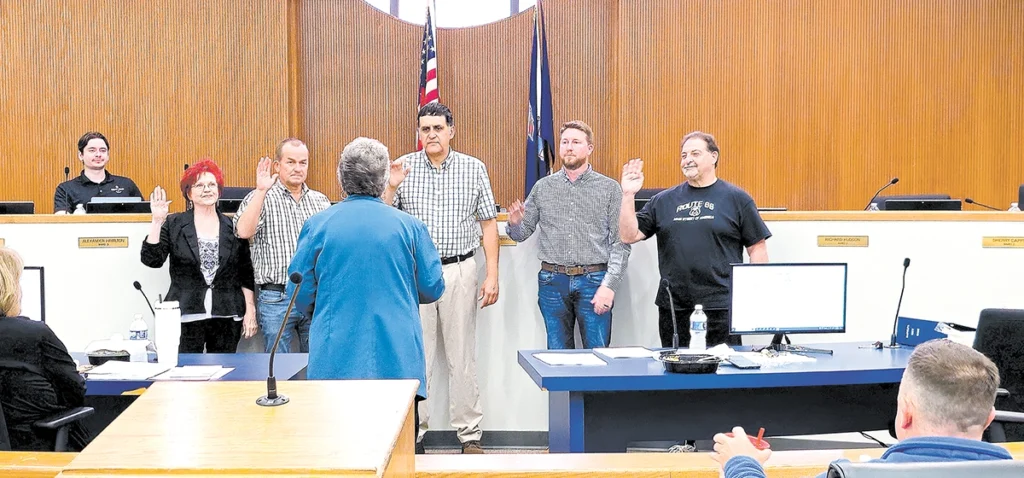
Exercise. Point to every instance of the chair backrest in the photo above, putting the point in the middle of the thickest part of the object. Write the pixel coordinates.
(233, 192)
(5, 439)
(1000, 337)
(959, 469)
(880, 200)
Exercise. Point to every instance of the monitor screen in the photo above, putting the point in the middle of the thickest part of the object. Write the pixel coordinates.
(17, 207)
(33, 295)
(788, 298)
(923, 205)
(133, 207)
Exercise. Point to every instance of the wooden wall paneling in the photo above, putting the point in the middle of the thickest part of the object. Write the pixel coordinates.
(693, 65)
(167, 82)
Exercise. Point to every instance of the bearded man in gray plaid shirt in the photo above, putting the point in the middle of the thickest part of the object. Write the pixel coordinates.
(451, 193)
(582, 257)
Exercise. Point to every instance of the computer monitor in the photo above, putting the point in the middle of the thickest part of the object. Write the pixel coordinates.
(788, 298)
(119, 207)
(923, 205)
(17, 207)
(33, 293)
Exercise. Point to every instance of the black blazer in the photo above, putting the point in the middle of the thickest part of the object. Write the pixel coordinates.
(178, 239)
(37, 379)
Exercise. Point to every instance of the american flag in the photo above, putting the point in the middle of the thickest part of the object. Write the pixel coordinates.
(428, 67)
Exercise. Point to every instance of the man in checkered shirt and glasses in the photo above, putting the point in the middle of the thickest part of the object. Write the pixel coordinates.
(451, 193)
(271, 216)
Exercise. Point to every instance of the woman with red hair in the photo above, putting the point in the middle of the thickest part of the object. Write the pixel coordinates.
(211, 270)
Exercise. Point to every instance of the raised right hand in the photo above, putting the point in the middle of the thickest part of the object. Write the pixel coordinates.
(516, 212)
(264, 178)
(158, 204)
(399, 170)
(632, 176)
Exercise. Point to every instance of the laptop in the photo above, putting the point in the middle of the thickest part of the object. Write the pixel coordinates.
(123, 206)
(17, 207)
(923, 205)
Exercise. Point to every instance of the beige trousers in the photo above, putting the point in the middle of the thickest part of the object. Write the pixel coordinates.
(453, 319)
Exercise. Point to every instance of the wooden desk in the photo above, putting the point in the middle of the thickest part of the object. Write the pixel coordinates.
(785, 464)
(33, 464)
(352, 428)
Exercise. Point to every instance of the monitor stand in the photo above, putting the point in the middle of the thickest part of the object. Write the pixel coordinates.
(778, 346)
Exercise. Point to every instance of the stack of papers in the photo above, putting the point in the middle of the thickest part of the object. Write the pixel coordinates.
(118, 370)
(625, 352)
(555, 358)
(195, 372)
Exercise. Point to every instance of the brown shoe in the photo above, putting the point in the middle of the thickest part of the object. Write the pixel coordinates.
(472, 447)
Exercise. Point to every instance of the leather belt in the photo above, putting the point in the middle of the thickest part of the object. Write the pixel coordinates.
(453, 259)
(573, 270)
(277, 287)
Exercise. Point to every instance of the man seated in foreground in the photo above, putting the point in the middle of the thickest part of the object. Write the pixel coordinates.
(946, 401)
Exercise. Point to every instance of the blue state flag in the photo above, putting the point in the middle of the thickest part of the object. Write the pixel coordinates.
(540, 133)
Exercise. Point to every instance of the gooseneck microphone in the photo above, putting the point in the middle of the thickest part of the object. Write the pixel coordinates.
(138, 287)
(971, 201)
(892, 342)
(67, 173)
(672, 311)
(272, 399)
(891, 182)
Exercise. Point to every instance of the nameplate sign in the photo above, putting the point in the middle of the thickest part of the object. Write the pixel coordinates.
(842, 241)
(1002, 241)
(102, 242)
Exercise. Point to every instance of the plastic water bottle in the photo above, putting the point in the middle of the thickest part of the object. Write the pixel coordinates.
(138, 330)
(1014, 207)
(698, 328)
(79, 209)
(873, 207)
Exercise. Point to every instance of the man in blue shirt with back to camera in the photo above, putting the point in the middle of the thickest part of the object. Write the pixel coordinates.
(946, 401)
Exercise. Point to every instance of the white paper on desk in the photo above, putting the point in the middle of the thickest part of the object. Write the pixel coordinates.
(118, 370)
(624, 352)
(569, 358)
(194, 372)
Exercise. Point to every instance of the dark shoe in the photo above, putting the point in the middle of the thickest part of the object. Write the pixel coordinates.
(420, 450)
(472, 447)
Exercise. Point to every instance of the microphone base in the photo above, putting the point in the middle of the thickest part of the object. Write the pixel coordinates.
(266, 401)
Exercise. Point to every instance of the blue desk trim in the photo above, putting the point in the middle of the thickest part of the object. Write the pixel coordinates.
(247, 367)
(850, 365)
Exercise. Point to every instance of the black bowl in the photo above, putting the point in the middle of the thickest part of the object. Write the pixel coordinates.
(689, 363)
(98, 357)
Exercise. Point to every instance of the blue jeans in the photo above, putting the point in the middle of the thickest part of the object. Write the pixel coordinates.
(270, 308)
(564, 300)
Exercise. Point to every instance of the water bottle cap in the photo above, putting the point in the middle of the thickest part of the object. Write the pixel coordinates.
(138, 316)
(698, 307)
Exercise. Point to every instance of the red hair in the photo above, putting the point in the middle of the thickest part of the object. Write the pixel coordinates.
(191, 176)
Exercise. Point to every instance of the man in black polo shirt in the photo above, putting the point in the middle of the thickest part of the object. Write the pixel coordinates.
(95, 180)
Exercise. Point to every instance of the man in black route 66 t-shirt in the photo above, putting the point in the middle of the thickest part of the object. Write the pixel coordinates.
(702, 226)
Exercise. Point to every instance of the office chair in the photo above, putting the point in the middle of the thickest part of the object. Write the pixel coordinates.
(232, 192)
(958, 469)
(1000, 337)
(59, 423)
(880, 200)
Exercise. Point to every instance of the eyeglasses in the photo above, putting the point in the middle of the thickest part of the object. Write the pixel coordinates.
(204, 186)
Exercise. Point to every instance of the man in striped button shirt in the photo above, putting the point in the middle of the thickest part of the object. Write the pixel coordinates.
(271, 216)
(451, 193)
(582, 258)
